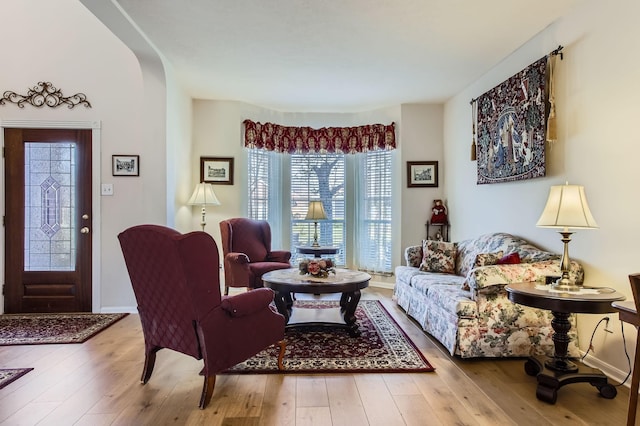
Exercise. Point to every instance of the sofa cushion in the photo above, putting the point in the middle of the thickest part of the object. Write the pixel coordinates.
(490, 243)
(406, 273)
(438, 256)
(485, 259)
(413, 256)
(490, 279)
(452, 299)
(425, 280)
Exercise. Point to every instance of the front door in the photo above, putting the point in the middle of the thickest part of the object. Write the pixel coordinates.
(47, 220)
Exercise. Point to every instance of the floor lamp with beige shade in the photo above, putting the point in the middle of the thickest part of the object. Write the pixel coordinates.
(204, 196)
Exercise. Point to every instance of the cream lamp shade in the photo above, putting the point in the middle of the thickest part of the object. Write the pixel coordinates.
(566, 209)
(204, 196)
(316, 212)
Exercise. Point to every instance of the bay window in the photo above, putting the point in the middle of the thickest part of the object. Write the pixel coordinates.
(289, 166)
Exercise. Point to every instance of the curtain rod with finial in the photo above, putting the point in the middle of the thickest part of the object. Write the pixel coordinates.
(558, 51)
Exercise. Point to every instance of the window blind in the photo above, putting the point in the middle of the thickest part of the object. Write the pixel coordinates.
(319, 177)
(374, 212)
(263, 201)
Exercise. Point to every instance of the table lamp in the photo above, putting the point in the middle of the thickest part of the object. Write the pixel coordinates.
(566, 209)
(315, 213)
(203, 196)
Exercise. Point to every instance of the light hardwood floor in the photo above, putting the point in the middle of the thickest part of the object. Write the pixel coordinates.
(97, 383)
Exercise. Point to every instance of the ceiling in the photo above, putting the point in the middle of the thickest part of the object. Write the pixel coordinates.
(337, 56)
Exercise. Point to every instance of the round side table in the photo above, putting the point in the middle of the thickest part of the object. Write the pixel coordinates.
(560, 370)
(317, 251)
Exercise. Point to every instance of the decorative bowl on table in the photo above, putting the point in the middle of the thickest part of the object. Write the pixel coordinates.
(319, 268)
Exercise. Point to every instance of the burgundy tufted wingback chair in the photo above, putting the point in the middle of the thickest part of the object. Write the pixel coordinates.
(176, 281)
(246, 246)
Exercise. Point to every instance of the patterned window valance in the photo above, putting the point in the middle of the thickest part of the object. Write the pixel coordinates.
(287, 139)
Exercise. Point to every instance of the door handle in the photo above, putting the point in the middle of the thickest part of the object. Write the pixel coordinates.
(84, 230)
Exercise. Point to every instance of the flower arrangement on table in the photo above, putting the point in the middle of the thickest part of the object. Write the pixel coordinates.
(319, 268)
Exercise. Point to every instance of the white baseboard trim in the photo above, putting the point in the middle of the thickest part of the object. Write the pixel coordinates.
(379, 284)
(118, 310)
(610, 371)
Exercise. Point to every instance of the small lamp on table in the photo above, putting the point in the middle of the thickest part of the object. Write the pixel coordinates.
(316, 212)
(566, 209)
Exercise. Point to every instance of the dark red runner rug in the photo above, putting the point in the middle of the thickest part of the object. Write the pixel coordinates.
(36, 329)
(9, 375)
(382, 347)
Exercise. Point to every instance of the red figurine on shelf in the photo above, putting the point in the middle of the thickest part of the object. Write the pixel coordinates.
(439, 215)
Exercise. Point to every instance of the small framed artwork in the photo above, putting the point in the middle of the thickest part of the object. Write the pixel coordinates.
(422, 174)
(216, 170)
(125, 165)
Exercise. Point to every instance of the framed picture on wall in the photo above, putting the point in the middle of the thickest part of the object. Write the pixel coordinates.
(216, 170)
(422, 174)
(125, 165)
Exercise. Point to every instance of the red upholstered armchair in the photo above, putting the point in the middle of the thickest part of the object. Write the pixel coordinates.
(246, 246)
(176, 281)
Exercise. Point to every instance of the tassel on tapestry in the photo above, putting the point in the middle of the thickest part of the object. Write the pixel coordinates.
(474, 112)
(552, 131)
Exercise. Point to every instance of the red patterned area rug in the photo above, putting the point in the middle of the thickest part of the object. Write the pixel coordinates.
(9, 375)
(37, 329)
(383, 347)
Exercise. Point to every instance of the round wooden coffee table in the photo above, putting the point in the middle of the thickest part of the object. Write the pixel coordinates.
(287, 281)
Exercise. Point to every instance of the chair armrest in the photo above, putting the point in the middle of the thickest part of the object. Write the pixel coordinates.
(279, 256)
(413, 256)
(244, 304)
(239, 258)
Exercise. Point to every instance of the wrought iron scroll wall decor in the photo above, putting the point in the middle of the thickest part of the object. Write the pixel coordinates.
(45, 93)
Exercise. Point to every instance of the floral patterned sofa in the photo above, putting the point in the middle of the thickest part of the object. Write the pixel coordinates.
(457, 294)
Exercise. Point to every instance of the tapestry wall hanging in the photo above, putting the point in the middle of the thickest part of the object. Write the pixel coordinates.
(511, 127)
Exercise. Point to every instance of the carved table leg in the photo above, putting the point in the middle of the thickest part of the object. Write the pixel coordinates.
(284, 304)
(558, 371)
(561, 327)
(344, 298)
(348, 304)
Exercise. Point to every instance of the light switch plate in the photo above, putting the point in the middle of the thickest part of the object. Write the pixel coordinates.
(106, 189)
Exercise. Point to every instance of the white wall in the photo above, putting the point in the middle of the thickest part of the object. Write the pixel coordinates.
(180, 183)
(422, 140)
(597, 107)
